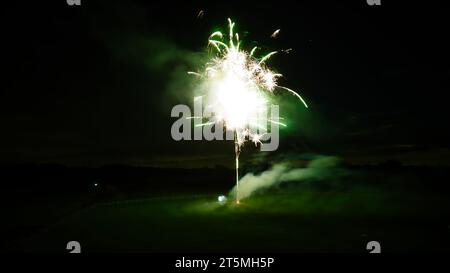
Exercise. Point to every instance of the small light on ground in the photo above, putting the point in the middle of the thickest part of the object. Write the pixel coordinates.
(221, 198)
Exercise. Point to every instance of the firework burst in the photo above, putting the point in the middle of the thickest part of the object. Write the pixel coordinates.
(238, 83)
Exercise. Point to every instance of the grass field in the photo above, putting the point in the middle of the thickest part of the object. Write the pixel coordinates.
(282, 220)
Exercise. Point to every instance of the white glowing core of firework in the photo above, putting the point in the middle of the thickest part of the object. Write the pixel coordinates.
(236, 98)
(235, 103)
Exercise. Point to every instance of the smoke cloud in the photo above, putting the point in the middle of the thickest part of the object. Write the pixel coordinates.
(322, 168)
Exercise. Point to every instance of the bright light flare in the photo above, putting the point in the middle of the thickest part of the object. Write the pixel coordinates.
(236, 113)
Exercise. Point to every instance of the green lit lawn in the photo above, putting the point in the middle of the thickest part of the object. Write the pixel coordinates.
(276, 222)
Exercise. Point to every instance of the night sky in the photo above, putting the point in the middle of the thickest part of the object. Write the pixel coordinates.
(94, 85)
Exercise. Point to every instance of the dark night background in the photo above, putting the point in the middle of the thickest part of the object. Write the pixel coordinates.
(87, 93)
(87, 85)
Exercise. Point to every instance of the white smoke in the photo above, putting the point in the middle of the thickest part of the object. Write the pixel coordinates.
(282, 173)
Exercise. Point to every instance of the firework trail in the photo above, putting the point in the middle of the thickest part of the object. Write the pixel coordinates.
(238, 82)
